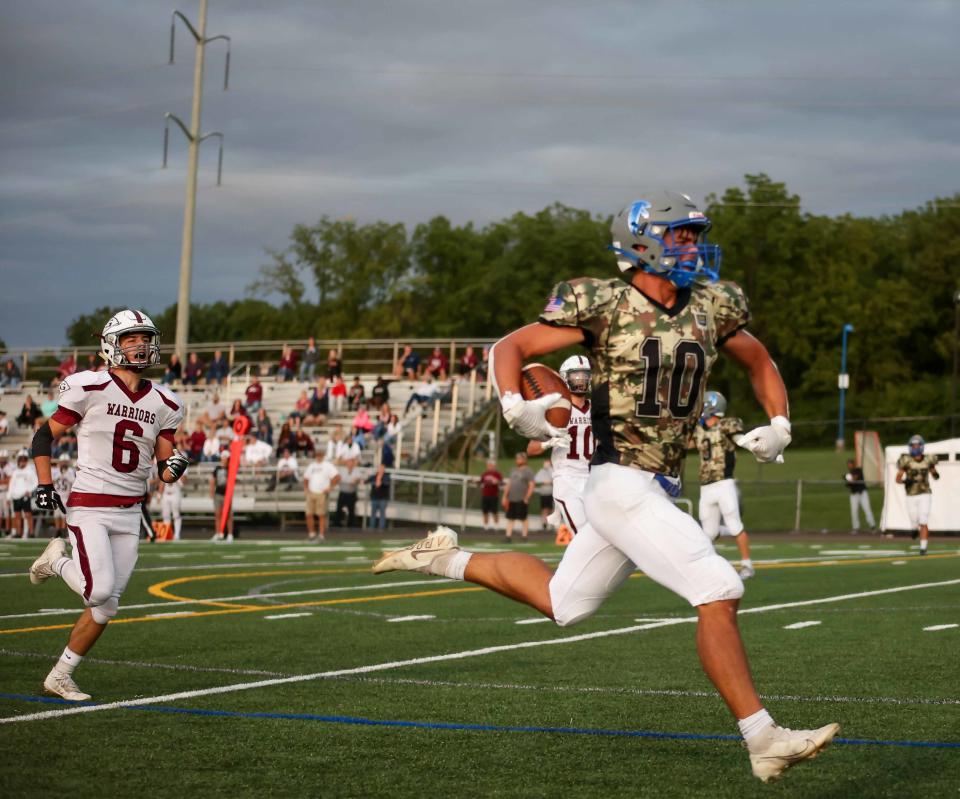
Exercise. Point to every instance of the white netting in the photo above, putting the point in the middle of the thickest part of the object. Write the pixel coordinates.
(869, 454)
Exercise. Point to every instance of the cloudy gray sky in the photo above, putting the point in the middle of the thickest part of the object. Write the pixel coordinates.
(406, 109)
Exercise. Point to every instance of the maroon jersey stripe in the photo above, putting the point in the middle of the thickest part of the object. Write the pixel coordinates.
(167, 401)
(95, 386)
(84, 561)
(142, 390)
(66, 416)
(80, 499)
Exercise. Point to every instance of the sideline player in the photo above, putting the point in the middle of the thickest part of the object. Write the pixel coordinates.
(23, 482)
(171, 501)
(571, 458)
(122, 421)
(653, 339)
(63, 479)
(6, 469)
(914, 470)
(716, 442)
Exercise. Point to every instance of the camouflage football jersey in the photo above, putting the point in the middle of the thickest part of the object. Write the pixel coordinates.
(916, 478)
(717, 450)
(650, 363)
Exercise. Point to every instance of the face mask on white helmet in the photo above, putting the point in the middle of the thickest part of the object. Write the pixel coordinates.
(576, 373)
(130, 356)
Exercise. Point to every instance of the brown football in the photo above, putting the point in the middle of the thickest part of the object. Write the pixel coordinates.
(538, 380)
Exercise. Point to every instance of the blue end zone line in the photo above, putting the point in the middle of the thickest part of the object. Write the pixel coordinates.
(436, 725)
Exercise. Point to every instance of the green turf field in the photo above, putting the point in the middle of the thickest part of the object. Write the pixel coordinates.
(278, 669)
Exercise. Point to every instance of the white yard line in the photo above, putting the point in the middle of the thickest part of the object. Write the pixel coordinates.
(424, 617)
(287, 616)
(936, 627)
(397, 664)
(801, 624)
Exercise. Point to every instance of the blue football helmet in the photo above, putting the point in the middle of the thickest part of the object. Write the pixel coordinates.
(915, 445)
(638, 231)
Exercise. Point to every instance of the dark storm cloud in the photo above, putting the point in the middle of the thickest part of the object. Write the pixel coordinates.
(405, 110)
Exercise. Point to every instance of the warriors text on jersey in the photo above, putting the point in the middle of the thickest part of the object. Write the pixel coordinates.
(574, 459)
(650, 363)
(916, 473)
(116, 435)
(717, 450)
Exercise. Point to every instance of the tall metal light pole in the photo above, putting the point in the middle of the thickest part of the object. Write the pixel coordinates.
(843, 382)
(956, 363)
(194, 139)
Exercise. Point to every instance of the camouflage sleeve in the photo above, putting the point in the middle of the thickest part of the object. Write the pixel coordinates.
(732, 426)
(902, 463)
(731, 311)
(578, 303)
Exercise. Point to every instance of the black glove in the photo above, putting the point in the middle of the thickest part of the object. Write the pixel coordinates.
(48, 499)
(177, 464)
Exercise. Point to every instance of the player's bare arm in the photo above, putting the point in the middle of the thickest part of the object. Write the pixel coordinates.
(535, 448)
(768, 386)
(509, 353)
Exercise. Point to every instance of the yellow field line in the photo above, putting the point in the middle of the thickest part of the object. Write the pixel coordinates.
(254, 609)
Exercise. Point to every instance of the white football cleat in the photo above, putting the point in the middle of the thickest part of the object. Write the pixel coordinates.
(789, 747)
(42, 568)
(746, 572)
(418, 557)
(60, 684)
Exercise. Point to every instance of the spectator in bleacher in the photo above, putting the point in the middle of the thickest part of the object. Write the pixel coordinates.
(67, 367)
(194, 370)
(218, 491)
(288, 473)
(211, 447)
(319, 405)
(437, 365)
(256, 454)
(301, 407)
(287, 366)
(225, 431)
(218, 368)
(262, 427)
(253, 395)
(181, 440)
(65, 445)
(356, 395)
(308, 361)
(4, 424)
(303, 441)
(334, 365)
(467, 362)
(387, 457)
(214, 411)
(424, 393)
(197, 439)
(30, 413)
(236, 410)
(49, 406)
(94, 364)
(286, 439)
(379, 497)
(350, 478)
(393, 429)
(361, 427)
(338, 395)
(383, 419)
(318, 478)
(484, 366)
(174, 371)
(408, 365)
(380, 393)
(10, 376)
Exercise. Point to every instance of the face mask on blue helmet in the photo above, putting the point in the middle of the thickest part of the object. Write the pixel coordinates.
(916, 446)
(639, 233)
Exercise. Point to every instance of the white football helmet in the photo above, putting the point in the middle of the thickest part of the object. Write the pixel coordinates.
(4, 454)
(121, 324)
(575, 372)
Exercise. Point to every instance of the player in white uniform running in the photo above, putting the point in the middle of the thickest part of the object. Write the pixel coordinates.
(653, 337)
(123, 421)
(716, 438)
(63, 479)
(571, 459)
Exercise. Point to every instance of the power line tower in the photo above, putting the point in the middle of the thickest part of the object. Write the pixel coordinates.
(194, 140)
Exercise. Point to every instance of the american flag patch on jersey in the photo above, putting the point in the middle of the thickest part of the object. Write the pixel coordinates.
(553, 304)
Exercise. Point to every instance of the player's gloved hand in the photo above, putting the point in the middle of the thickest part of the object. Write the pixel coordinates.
(767, 443)
(528, 418)
(177, 464)
(48, 499)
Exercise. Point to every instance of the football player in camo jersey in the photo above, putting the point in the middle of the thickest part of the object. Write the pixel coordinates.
(716, 438)
(914, 470)
(653, 338)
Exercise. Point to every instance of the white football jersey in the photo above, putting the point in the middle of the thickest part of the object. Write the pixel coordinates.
(574, 460)
(116, 435)
(63, 480)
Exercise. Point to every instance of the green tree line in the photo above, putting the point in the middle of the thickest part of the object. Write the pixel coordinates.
(806, 275)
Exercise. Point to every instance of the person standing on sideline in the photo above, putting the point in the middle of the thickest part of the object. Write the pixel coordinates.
(23, 482)
(571, 458)
(859, 498)
(516, 497)
(379, 497)
(716, 437)
(218, 493)
(914, 471)
(490, 482)
(63, 479)
(124, 422)
(318, 478)
(654, 337)
(171, 502)
(543, 486)
(351, 475)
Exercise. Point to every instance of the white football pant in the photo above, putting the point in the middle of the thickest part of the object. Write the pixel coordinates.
(918, 508)
(170, 509)
(718, 500)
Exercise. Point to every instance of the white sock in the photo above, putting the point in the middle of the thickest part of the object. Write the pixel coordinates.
(451, 565)
(923, 545)
(58, 566)
(748, 562)
(69, 660)
(753, 727)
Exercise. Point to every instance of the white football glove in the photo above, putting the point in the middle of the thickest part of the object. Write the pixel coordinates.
(767, 443)
(528, 418)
